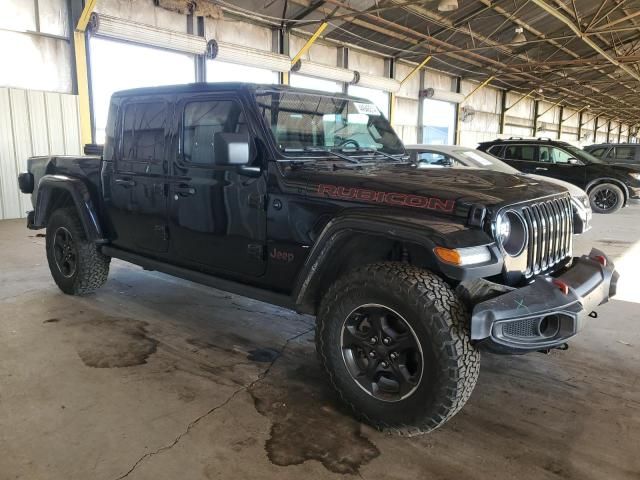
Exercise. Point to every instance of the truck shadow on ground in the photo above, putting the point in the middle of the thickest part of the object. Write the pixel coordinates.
(525, 410)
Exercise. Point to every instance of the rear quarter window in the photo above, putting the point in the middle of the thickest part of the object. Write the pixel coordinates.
(496, 150)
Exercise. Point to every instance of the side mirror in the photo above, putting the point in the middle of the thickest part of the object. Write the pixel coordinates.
(575, 161)
(231, 149)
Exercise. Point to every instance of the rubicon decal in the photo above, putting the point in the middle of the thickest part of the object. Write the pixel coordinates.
(388, 198)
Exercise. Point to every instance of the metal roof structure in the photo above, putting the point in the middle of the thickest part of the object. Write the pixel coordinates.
(582, 53)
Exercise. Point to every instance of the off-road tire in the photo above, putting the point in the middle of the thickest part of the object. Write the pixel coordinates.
(92, 267)
(439, 320)
(617, 191)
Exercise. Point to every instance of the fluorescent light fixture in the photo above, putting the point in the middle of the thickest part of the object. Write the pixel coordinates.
(376, 82)
(148, 35)
(252, 57)
(313, 69)
(442, 95)
(447, 5)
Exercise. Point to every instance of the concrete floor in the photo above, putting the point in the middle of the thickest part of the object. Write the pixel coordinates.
(155, 378)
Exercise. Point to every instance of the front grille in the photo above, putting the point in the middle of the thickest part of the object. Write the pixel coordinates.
(521, 328)
(550, 232)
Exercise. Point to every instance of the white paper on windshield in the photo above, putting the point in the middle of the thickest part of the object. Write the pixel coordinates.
(477, 158)
(366, 108)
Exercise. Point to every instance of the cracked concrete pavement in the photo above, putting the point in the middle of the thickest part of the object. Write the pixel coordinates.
(155, 377)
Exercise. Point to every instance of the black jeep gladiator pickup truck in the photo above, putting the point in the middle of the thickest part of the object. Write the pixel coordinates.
(308, 200)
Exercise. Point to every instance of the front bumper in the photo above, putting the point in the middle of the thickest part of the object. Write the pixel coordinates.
(634, 196)
(547, 312)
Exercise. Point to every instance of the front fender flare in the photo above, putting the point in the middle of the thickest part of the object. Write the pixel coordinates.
(426, 233)
(77, 189)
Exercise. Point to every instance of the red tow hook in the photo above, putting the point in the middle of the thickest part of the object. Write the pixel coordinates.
(601, 259)
(563, 287)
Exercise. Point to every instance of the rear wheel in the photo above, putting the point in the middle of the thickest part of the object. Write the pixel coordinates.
(76, 264)
(606, 198)
(395, 342)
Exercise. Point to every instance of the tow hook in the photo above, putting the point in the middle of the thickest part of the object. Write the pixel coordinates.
(547, 351)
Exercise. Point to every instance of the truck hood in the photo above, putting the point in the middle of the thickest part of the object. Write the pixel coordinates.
(445, 189)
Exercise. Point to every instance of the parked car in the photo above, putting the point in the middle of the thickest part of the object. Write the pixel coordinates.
(308, 200)
(455, 156)
(610, 187)
(624, 153)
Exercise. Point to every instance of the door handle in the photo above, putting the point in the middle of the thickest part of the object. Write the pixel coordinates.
(541, 169)
(125, 182)
(184, 190)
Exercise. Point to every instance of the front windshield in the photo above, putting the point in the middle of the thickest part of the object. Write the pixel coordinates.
(586, 157)
(307, 122)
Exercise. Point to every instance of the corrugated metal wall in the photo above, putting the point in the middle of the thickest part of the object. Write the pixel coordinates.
(32, 123)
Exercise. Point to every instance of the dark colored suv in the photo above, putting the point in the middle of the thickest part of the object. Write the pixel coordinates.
(625, 153)
(610, 187)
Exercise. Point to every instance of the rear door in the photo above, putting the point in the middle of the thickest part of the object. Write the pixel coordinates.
(523, 157)
(624, 154)
(136, 202)
(217, 216)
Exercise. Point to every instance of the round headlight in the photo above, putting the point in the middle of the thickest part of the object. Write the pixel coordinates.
(511, 233)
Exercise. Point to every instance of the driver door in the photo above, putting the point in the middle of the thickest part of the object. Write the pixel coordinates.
(556, 163)
(217, 216)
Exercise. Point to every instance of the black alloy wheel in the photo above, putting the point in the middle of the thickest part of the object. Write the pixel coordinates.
(381, 352)
(65, 252)
(606, 198)
(76, 263)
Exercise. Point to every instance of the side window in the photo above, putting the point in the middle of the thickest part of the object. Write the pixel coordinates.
(512, 152)
(560, 156)
(433, 159)
(598, 152)
(625, 154)
(546, 154)
(520, 152)
(143, 135)
(528, 153)
(496, 150)
(202, 120)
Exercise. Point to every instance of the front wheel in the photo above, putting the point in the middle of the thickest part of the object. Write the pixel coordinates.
(76, 264)
(606, 198)
(394, 340)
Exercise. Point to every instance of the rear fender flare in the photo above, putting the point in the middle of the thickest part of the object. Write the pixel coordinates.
(50, 186)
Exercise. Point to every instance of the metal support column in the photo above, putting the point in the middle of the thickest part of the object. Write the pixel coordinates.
(201, 61)
(580, 125)
(420, 136)
(456, 133)
(503, 111)
(536, 107)
(82, 77)
(343, 62)
(560, 122)
(609, 132)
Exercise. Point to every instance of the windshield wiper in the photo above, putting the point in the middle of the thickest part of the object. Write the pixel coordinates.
(387, 155)
(322, 150)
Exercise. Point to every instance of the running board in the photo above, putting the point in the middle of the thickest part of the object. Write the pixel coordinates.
(230, 286)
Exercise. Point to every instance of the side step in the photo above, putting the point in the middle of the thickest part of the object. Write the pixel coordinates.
(230, 286)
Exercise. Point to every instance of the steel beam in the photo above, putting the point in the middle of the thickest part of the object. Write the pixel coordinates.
(305, 48)
(576, 29)
(82, 76)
